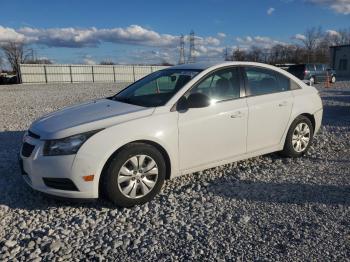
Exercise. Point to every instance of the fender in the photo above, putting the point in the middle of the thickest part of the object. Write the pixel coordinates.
(160, 129)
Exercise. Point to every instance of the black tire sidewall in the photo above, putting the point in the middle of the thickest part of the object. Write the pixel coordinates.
(288, 149)
(110, 179)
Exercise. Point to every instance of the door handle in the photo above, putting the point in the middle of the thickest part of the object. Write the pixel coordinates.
(284, 103)
(237, 115)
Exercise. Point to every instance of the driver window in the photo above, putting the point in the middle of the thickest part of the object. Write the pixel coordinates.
(221, 85)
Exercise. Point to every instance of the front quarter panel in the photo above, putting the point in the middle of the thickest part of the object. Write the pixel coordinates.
(92, 156)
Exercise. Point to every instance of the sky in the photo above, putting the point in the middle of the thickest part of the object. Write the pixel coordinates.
(146, 32)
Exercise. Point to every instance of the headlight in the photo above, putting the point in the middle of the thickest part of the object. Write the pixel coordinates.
(66, 146)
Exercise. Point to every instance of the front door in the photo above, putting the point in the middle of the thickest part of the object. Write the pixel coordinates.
(216, 132)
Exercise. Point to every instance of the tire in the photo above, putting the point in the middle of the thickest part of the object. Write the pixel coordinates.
(312, 81)
(292, 143)
(127, 172)
(333, 79)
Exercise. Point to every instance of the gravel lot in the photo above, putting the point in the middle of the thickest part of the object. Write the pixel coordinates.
(265, 208)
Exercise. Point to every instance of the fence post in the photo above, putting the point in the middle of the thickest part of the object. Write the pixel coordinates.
(151, 69)
(114, 75)
(70, 73)
(92, 70)
(45, 73)
(133, 71)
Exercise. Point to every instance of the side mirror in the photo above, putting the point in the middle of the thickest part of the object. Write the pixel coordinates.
(198, 100)
(195, 100)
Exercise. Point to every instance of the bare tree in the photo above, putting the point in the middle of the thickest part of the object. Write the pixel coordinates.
(311, 40)
(344, 36)
(239, 55)
(107, 62)
(16, 54)
(255, 54)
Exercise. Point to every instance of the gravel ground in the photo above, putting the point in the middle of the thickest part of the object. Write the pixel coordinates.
(265, 208)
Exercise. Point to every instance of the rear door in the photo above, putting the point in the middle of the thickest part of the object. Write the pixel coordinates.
(270, 103)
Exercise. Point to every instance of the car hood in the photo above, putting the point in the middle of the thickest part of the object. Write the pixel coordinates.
(86, 117)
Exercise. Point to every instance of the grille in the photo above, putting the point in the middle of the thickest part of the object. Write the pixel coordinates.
(33, 135)
(60, 183)
(27, 149)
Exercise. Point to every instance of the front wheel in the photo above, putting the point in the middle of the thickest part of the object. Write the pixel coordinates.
(333, 79)
(299, 137)
(312, 81)
(134, 176)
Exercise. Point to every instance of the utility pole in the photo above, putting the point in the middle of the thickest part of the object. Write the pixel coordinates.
(182, 50)
(226, 55)
(192, 55)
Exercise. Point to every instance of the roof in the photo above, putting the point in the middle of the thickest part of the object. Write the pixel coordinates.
(206, 65)
(198, 66)
(337, 46)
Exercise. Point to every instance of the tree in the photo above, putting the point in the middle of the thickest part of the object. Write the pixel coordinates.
(255, 54)
(311, 40)
(16, 54)
(239, 55)
(107, 62)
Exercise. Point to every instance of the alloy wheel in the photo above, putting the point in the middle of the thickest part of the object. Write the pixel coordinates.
(138, 176)
(301, 137)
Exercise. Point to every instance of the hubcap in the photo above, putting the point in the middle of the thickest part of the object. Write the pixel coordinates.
(301, 137)
(138, 176)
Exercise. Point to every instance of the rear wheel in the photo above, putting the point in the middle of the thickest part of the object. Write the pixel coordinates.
(135, 175)
(333, 79)
(299, 137)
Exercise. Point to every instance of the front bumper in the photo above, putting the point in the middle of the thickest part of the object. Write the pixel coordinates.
(36, 167)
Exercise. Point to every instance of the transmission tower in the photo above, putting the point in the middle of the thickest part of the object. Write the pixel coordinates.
(226, 55)
(192, 56)
(182, 50)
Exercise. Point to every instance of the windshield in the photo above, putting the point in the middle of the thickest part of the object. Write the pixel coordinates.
(155, 89)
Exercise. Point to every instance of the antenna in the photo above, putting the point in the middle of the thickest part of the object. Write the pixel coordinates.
(182, 50)
(192, 57)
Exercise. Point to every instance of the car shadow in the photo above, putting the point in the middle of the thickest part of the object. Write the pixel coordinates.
(288, 193)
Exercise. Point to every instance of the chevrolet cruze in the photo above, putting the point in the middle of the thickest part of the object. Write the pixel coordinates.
(172, 122)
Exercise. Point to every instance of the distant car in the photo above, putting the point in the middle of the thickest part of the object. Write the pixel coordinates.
(172, 122)
(313, 73)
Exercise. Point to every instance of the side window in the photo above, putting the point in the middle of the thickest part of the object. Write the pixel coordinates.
(221, 85)
(310, 67)
(262, 81)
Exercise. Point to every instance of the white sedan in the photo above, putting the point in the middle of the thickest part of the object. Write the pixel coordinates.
(172, 122)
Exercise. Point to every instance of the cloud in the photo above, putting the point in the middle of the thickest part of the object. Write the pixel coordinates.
(92, 37)
(270, 10)
(332, 33)
(338, 6)
(9, 34)
(258, 41)
(222, 35)
(299, 37)
(88, 60)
